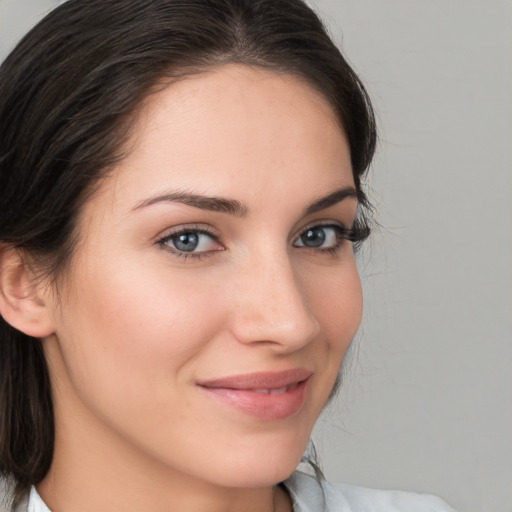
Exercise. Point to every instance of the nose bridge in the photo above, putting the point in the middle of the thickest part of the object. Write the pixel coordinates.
(274, 305)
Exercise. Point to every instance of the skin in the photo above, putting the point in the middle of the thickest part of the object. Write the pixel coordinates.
(137, 325)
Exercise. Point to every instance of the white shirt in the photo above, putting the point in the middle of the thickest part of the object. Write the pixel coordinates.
(309, 495)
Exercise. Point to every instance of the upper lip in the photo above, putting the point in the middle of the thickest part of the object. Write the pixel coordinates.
(259, 380)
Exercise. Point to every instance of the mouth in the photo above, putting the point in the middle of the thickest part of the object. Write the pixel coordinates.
(264, 395)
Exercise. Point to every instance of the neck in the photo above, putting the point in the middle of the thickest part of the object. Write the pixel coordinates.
(73, 487)
(60, 499)
(86, 477)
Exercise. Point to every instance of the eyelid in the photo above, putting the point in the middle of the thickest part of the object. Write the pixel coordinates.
(200, 228)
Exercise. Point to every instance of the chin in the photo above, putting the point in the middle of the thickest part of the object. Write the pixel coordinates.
(267, 475)
(264, 467)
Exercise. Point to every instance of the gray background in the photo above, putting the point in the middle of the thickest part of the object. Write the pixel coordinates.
(426, 403)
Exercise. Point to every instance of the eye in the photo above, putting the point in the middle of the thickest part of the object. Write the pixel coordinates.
(321, 237)
(191, 242)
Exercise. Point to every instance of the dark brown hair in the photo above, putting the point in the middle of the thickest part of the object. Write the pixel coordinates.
(67, 95)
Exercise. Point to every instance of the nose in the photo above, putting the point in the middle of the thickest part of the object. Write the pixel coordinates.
(273, 306)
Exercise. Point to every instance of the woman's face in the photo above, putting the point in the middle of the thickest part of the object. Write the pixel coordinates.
(213, 293)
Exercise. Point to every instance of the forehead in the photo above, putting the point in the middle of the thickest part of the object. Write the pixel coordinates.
(235, 131)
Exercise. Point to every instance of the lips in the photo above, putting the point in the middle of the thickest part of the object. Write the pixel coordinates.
(265, 395)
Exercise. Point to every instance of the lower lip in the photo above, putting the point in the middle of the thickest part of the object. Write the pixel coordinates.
(262, 405)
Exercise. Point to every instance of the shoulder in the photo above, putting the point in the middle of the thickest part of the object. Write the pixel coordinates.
(310, 495)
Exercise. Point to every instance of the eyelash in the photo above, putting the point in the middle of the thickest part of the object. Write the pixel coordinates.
(355, 235)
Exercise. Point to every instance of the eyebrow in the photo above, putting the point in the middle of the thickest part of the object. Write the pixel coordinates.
(214, 204)
(237, 208)
(335, 197)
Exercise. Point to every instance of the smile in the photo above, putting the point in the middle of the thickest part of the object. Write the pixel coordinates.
(268, 396)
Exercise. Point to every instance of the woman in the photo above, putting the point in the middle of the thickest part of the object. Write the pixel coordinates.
(181, 192)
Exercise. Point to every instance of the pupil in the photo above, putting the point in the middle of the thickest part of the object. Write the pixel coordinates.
(313, 237)
(186, 242)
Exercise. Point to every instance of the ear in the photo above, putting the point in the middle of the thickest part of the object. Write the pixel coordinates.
(22, 303)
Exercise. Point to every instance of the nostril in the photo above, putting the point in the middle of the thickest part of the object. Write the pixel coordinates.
(290, 326)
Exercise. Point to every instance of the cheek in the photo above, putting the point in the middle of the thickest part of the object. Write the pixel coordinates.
(128, 323)
(336, 298)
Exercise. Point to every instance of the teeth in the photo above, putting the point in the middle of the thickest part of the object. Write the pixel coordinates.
(279, 391)
(275, 391)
